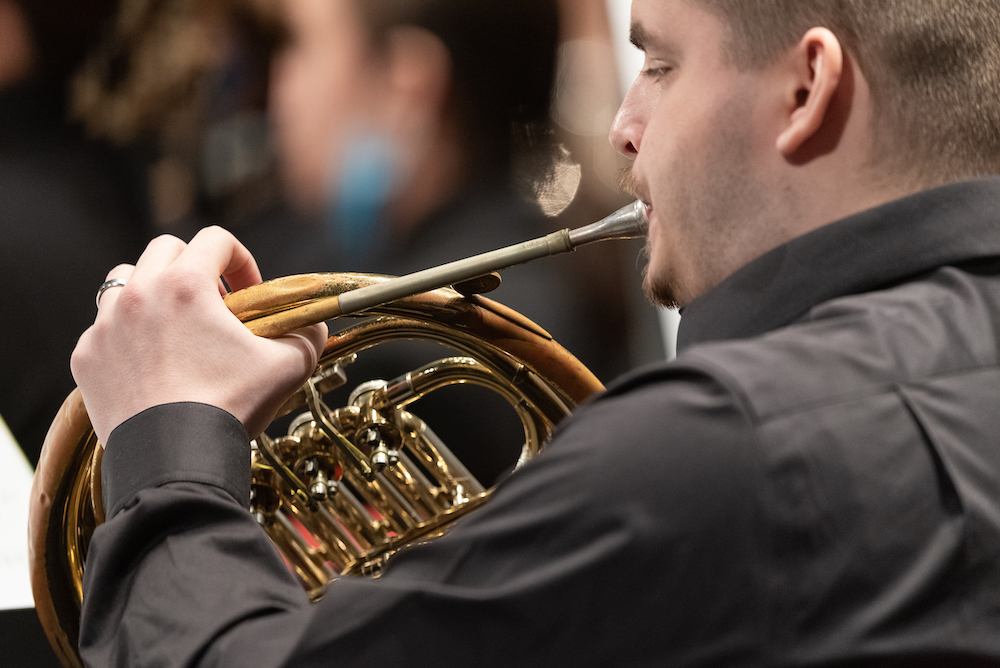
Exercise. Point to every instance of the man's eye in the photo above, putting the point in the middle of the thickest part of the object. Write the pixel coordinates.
(655, 72)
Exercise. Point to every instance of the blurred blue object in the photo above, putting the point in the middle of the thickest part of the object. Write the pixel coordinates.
(357, 197)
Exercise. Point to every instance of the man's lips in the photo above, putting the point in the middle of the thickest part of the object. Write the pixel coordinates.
(649, 217)
(646, 204)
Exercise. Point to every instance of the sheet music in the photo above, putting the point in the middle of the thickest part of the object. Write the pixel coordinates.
(15, 586)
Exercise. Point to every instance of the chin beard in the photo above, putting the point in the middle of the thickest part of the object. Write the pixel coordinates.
(658, 293)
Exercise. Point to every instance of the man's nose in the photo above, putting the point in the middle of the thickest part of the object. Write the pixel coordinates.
(626, 130)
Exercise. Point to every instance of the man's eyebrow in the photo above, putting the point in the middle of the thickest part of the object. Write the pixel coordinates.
(638, 36)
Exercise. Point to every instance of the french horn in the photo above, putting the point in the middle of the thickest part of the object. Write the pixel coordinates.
(345, 487)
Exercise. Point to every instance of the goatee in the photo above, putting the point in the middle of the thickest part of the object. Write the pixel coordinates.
(658, 293)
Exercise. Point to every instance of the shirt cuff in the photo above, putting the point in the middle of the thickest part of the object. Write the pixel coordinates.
(179, 442)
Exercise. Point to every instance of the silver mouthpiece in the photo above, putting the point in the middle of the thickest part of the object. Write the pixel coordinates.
(628, 222)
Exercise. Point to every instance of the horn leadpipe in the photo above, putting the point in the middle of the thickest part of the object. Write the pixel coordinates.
(626, 223)
(629, 222)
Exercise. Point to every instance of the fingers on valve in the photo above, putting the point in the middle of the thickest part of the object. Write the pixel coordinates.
(159, 254)
(311, 341)
(219, 253)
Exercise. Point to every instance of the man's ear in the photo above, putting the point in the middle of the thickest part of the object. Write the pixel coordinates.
(817, 63)
(419, 76)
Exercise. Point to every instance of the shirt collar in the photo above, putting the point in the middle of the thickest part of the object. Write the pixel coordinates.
(867, 251)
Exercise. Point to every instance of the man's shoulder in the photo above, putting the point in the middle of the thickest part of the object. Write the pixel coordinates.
(662, 424)
(857, 346)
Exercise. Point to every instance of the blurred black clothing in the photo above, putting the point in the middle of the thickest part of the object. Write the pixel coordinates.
(814, 482)
(23, 641)
(71, 210)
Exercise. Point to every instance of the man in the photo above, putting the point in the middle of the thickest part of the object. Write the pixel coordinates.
(813, 481)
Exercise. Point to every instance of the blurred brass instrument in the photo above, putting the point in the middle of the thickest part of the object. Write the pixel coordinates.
(345, 487)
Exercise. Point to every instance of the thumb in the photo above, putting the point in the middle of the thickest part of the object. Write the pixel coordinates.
(310, 340)
(303, 348)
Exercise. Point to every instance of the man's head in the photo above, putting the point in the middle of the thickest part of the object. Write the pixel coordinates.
(755, 122)
(395, 68)
(933, 67)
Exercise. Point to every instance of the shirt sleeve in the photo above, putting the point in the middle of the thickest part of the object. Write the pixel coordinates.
(631, 538)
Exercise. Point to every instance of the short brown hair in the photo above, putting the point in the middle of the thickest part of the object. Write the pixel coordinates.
(933, 67)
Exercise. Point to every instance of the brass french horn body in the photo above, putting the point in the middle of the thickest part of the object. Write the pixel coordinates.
(344, 487)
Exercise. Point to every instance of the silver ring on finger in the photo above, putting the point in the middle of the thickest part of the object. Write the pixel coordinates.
(107, 285)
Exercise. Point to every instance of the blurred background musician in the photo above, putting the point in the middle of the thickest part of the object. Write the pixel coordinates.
(421, 132)
(412, 133)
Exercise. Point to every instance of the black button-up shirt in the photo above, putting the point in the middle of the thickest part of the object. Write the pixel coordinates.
(814, 481)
